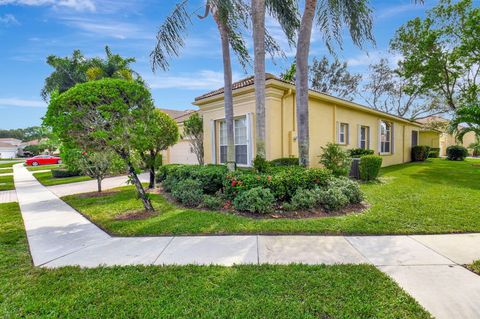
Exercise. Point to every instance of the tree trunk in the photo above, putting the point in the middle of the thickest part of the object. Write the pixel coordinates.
(151, 185)
(138, 185)
(258, 16)
(301, 81)
(228, 94)
(99, 184)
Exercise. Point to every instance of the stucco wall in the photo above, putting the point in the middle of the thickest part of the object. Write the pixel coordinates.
(431, 139)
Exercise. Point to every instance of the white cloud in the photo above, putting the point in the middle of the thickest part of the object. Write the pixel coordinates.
(398, 9)
(367, 58)
(108, 28)
(18, 102)
(8, 19)
(202, 80)
(78, 5)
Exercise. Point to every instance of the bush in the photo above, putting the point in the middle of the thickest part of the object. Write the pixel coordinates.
(62, 173)
(188, 192)
(434, 152)
(335, 159)
(456, 153)
(211, 177)
(348, 187)
(255, 200)
(212, 202)
(359, 152)
(420, 153)
(260, 165)
(370, 167)
(285, 161)
(163, 171)
(333, 199)
(303, 199)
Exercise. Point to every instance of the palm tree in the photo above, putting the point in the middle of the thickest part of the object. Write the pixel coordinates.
(332, 15)
(228, 16)
(114, 66)
(469, 115)
(285, 11)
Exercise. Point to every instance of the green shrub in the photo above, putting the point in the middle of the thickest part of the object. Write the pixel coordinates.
(303, 199)
(255, 200)
(370, 167)
(420, 153)
(62, 173)
(212, 202)
(260, 165)
(333, 199)
(348, 187)
(434, 152)
(456, 153)
(188, 192)
(211, 177)
(285, 161)
(359, 152)
(163, 171)
(336, 159)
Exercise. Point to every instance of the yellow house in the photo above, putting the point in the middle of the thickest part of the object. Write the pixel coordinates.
(331, 120)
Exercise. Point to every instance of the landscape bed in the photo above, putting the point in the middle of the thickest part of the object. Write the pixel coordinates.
(416, 198)
(266, 291)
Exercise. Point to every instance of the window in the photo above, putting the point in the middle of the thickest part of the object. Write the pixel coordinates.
(385, 137)
(240, 138)
(414, 138)
(364, 137)
(343, 133)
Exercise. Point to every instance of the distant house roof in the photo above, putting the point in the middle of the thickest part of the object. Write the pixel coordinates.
(249, 81)
(178, 115)
(433, 118)
(10, 140)
(7, 145)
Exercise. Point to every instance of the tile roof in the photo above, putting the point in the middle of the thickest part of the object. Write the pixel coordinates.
(178, 115)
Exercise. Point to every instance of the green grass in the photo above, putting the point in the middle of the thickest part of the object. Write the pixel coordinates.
(43, 167)
(6, 183)
(47, 179)
(438, 196)
(4, 165)
(6, 170)
(295, 291)
(475, 267)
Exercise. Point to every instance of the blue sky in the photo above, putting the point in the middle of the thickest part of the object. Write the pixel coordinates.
(30, 30)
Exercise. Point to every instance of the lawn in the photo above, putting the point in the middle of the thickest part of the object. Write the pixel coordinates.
(43, 167)
(295, 291)
(6, 170)
(47, 179)
(437, 196)
(475, 267)
(5, 165)
(6, 183)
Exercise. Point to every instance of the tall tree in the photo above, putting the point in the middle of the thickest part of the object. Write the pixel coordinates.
(193, 131)
(228, 16)
(334, 78)
(387, 91)
(441, 53)
(332, 16)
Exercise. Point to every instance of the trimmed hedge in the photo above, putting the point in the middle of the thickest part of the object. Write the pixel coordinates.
(359, 152)
(188, 192)
(63, 173)
(434, 152)
(211, 177)
(370, 167)
(456, 153)
(255, 200)
(285, 161)
(420, 153)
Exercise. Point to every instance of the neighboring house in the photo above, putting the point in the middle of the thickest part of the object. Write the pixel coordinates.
(445, 139)
(179, 153)
(331, 120)
(10, 147)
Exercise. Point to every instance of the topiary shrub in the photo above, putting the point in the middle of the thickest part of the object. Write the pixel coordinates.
(333, 199)
(62, 173)
(303, 199)
(434, 152)
(285, 161)
(456, 153)
(188, 192)
(336, 159)
(260, 165)
(420, 153)
(359, 152)
(348, 187)
(255, 200)
(370, 167)
(212, 202)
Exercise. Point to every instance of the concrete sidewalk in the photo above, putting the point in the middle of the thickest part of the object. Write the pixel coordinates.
(425, 266)
(8, 196)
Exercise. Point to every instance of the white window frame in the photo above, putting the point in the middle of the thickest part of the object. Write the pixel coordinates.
(389, 131)
(222, 122)
(367, 137)
(345, 133)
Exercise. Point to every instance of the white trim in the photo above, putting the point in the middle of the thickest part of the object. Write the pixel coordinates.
(392, 138)
(337, 136)
(213, 141)
(249, 138)
(359, 136)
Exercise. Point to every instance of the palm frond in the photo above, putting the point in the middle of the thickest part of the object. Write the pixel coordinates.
(287, 15)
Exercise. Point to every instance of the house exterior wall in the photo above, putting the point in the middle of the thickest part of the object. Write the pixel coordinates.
(324, 117)
(431, 139)
(447, 140)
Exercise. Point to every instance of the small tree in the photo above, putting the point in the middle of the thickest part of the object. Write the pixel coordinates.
(96, 165)
(336, 159)
(108, 114)
(158, 133)
(193, 130)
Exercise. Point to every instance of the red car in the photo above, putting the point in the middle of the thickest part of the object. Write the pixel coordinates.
(43, 160)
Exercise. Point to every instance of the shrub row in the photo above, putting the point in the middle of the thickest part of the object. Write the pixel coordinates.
(209, 177)
(359, 152)
(62, 173)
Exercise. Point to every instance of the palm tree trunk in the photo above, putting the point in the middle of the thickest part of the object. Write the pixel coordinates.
(258, 16)
(301, 81)
(228, 94)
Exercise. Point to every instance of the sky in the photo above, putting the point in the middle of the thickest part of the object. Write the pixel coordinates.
(31, 30)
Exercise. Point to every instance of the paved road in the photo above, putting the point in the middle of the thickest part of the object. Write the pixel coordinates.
(427, 267)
